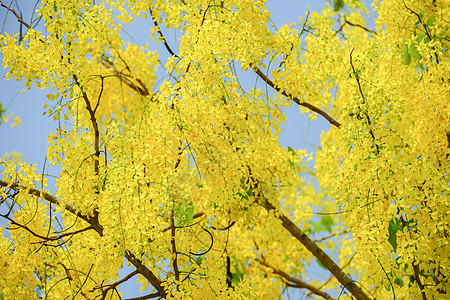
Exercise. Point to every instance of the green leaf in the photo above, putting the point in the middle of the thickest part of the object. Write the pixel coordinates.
(320, 264)
(2, 111)
(430, 22)
(198, 260)
(317, 227)
(398, 281)
(238, 275)
(421, 14)
(327, 222)
(422, 37)
(184, 214)
(394, 227)
(414, 53)
(406, 57)
(338, 4)
(292, 151)
(246, 190)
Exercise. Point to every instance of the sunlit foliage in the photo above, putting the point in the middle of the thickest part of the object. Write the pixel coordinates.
(185, 179)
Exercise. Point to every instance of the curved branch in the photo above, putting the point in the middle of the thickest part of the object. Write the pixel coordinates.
(426, 29)
(93, 221)
(296, 282)
(293, 98)
(354, 25)
(46, 238)
(210, 246)
(161, 35)
(117, 283)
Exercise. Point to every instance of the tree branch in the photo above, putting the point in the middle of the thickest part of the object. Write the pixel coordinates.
(144, 271)
(354, 25)
(309, 244)
(149, 296)
(330, 236)
(143, 91)
(94, 123)
(46, 238)
(93, 221)
(18, 18)
(343, 267)
(426, 30)
(360, 26)
(174, 247)
(296, 282)
(161, 35)
(419, 282)
(115, 284)
(293, 98)
(318, 253)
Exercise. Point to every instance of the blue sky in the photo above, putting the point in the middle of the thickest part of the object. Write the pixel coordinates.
(30, 137)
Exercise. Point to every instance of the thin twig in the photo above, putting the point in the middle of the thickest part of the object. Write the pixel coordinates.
(354, 25)
(46, 238)
(117, 283)
(360, 26)
(356, 75)
(84, 282)
(426, 30)
(292, 45)
(296, 282)
(161, 35)
(143, 91)
(343, 267)
(18, 18)
(330, 236)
